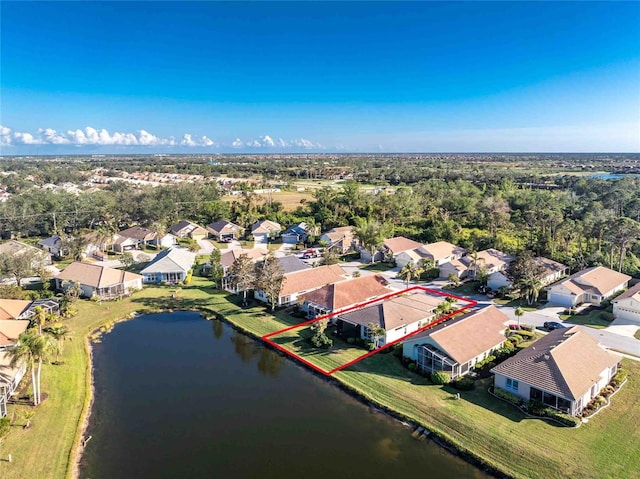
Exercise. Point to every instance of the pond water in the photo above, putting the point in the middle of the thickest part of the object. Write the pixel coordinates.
(177, 396)
(613, 176)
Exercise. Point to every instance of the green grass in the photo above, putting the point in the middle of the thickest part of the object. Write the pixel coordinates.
(378, 267)
(515, 303)
(63, 264)
(469, 288)
(592, 319)
(637, 334)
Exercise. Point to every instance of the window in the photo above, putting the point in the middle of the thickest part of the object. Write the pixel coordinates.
(512, 384)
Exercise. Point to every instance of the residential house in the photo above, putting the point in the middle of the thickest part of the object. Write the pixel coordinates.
(224, 230)
(391, 248)
(137, 237)
(14, 308)
(229, 256)
(627, 305)
(342, 239)
(170, 266)
(10, 377)
(592, 285)
(100, 281)
(490, 260)
(167, 241)
(439, 253)
(10, 331)
(344, 294)
(263, 231)
(565, 370)
(296, 234)
(398, 316)
(455, 346)
(52, 245)
(300, 282)
(39, 258)
(187, 229)
(552, 271)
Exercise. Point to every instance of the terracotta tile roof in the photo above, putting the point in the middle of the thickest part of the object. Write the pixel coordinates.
(633, 292)
(12, 308)
(349, 292)
(597, 279)
(265, 226)
(400, 243)
(311, 279)
(7, 373)
(395, 312)
(442, 249)
(468, 336)
(11, 329)
(95, 275)
(229, 256)
(566, 362)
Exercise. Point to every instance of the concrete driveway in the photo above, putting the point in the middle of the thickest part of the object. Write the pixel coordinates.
(206, 247)
(623, 327)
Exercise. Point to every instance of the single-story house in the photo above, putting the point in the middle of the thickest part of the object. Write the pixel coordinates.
(456, 267)
(398, 316)
(224, 230)
(263, 231)
(455, 346)
(229, 256)
(10, 331)
(552, 272)
(10, 377)
(187, 229)
(13, 247)
(391, 248)
(491, 260)
(565, 370)
(133, 238)
(12, 309)
(440, 253)
(627, 305)
(100, 281)
(296, 233)
(344, 294)
(166, 241)
(591, 285)
(298, 283)
(52, 245)
(341, 240)
(170, 266)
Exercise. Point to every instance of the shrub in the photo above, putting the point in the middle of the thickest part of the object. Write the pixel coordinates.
(359, 342)
(527, 327)
(526, 334)
(351, 340)
(504, 352)
(565, 419)
(536, 408)
(606, 315)
(321, 341)
(370, 345)
(412, 366)
(619, 378)
(440, 377)
(5, 425)
(464, 384)
(515, 339)
(512, 398)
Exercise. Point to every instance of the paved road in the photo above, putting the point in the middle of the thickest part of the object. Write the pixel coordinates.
(623, 344)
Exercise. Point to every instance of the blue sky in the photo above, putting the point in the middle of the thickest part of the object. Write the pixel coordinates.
(89, 77)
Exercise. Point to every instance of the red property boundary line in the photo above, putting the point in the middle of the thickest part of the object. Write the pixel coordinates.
(470, 304)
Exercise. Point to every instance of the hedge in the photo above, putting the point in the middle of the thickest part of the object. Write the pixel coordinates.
(512, 398)
(440, 377)
(464, 384)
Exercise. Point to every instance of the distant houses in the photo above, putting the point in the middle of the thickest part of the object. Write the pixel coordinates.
(170, 266)
(564, 370)
(137, 237)
(265, 230)
(100, 281)
(38, 257)
(224, 231)
(297, 233)
(52, 245)
(592, 285)
(341, 240)
(552, 271)
(187, 229)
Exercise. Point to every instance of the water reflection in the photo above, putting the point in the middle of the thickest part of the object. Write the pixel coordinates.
(218, 328)
(269, 362)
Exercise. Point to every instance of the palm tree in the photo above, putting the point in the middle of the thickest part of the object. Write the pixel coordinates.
(519, 312)
(59, 332)
(409, 271)
(530, 287)
(32, 348)
(372, 235)
(40, 317)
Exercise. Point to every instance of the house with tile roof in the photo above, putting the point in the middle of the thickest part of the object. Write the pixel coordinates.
(10, 377)
(552, 271)
(98, 280)
(224, 230)
(133, 238)
(263, 231)
(10, 331)
(52, 245)
(565, 370)
(39, 258)
(439, 253)
(13, 308)
(297, 233)
(341, 240)
(591, 285)
(229, 256)
(398, 316)
(187, 229)
(345, 294)
(390, 248)
(627, 305)
(491, 260)
(170, 266)
(455, 346)
(298, 283)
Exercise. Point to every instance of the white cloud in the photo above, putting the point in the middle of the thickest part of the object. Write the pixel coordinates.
(53, 137)
(187, 140)
(237, 143)
(267, 141)
(26, 138)
(5, 136)
(205, 141)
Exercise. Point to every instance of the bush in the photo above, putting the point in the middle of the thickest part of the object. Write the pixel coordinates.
(463, 384)
(565, 419)
(412, 366)
(606, 315)
(512, 398)
(504, 352)
(321, 341)
(351, 340)
(515, 339)
(619, 378)
(526, 334)
(5, 425)
(440, 377)
(536, 408)
(370, 345)
(527, 327)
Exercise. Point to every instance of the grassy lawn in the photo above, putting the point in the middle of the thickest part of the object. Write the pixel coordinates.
(378, 267)
(637, 334)
(467, 289)
(62, 264)
(515, 303)
(592, 319)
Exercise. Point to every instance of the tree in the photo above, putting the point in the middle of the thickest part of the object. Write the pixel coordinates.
(242, 275)
(40, 317)
(32, 348)
(319, 339)
(519, 312)
(20, 265)
(409, 271)
(530, 288)
(127, 259)
(482, 275)
(270, 278)
(372, 234)
(58, 332)
(526, 273)
(376, 332)
(453, 278)
(192, 245)
(217, 271)
(329, 256)
(624, 231)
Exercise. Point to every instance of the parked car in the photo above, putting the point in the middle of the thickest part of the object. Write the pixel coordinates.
(551, 325)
